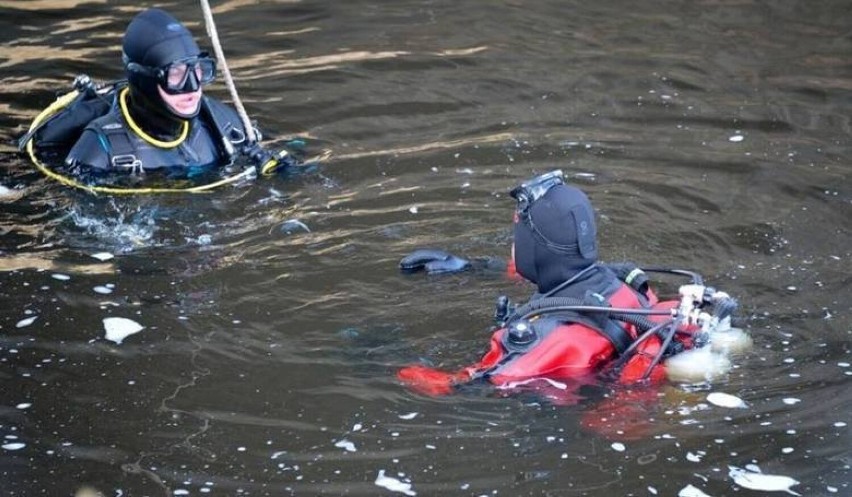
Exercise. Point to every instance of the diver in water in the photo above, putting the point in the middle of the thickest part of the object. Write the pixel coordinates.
(586, 317)
(161, 119)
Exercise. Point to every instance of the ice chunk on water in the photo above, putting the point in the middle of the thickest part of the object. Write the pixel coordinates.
(346, 445)
(722, 399)
(393, 484)
(690, 491)
(758, 481)
(26, 322)
(117, 329)
(103, 256)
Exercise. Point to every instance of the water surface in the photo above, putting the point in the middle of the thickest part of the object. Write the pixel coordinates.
(710, 135)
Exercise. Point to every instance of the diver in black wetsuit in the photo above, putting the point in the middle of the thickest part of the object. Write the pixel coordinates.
(161, 119)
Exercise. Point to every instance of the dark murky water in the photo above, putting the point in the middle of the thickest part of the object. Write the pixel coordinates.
(713, 135)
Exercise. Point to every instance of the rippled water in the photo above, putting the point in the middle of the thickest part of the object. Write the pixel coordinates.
(712, 135)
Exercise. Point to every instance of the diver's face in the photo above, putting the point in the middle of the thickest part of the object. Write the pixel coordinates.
(182, 104)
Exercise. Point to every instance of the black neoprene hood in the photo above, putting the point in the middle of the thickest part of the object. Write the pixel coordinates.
(556, 238)
(154, 38)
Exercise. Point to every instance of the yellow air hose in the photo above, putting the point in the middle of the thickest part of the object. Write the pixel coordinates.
(62, 102)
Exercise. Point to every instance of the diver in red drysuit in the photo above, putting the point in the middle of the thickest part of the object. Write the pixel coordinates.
(587, 318)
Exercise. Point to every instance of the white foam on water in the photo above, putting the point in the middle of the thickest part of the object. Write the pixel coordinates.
(117, 329)
(696, 365)
(753, 479)
(516, 384)
(393, 484)
(722, 399)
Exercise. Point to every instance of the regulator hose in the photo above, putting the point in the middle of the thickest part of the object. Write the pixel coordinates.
(697, 279)
(546, 305)
(628, 353)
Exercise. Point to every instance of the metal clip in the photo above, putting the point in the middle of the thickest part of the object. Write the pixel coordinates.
(128, 161)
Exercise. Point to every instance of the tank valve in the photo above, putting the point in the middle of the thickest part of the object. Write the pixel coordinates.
(521, 333)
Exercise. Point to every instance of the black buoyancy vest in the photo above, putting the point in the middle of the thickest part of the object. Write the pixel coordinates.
(98, 111)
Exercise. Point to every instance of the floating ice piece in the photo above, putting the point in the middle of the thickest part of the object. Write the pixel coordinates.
(690, 491)
(736, 138)
(103, 290)
(26, 322)
(24, 405)
(346, 445)
(695, 457)
(726, 400)
(413, 209)
(103, 256)
(393, 484)
(759, 481)
(117, 329)
(618, 447)
(408, 416)
(14, 446)
(60, 277)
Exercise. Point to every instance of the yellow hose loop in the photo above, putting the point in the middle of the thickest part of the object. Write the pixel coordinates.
(63, 102)
(122, 102)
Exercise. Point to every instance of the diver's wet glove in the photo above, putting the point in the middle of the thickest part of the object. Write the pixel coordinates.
(434, 261)
(268, 162)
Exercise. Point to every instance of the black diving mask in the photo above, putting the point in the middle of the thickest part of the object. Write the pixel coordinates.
(181, 76)
(530, 191)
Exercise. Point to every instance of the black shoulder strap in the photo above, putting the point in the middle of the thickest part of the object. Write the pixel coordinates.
(222, 120)
(122, 146)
